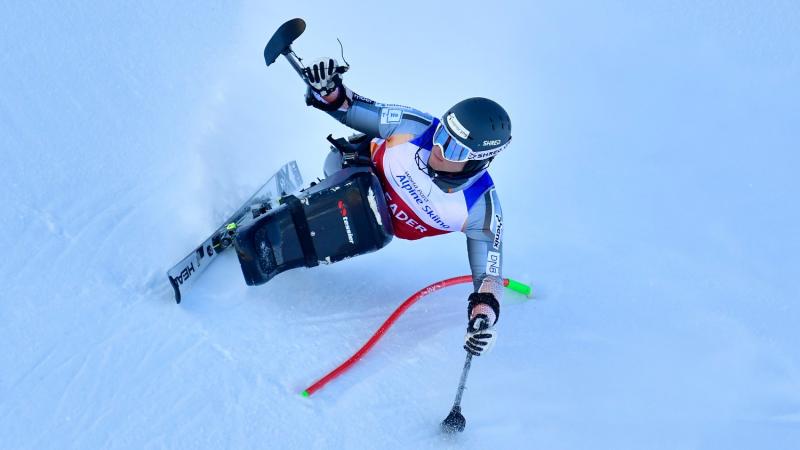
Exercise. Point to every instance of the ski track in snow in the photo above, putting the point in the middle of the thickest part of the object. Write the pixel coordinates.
(656, 144)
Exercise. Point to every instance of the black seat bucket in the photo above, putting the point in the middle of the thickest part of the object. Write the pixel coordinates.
(343, 216)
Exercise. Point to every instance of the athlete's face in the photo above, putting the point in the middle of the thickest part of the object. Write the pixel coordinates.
(438, 163)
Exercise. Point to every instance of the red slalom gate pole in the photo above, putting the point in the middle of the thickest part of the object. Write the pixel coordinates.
(515, 285)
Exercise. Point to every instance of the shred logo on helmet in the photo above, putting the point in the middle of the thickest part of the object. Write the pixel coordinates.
(484, 155)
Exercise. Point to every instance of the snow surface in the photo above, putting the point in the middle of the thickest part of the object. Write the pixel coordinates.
(650, 195)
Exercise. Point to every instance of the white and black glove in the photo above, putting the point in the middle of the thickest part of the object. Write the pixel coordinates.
(324, 75)
(480, 336)
(482, 312)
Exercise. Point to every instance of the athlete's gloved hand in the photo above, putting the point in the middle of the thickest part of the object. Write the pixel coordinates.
(480, 336)
(483, 311)
(324, 75)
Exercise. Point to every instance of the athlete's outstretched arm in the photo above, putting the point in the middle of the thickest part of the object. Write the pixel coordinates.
(484, 229)
(369, 117)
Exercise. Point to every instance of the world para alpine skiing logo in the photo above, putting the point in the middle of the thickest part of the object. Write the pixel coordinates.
(343, 210)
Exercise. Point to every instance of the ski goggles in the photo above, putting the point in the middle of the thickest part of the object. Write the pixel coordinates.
(455, 151)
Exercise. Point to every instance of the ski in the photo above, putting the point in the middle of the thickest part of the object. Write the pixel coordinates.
(286, 180)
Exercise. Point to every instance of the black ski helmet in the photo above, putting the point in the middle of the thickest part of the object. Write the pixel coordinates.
(483, 126)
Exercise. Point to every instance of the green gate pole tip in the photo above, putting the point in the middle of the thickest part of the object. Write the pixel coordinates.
(522, 288)
(304, 394)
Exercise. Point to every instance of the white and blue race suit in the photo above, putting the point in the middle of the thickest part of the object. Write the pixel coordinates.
(422, 205)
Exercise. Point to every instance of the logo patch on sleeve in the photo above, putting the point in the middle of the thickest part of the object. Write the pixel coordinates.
(498, 232)
(493, 264)
(389, 115)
